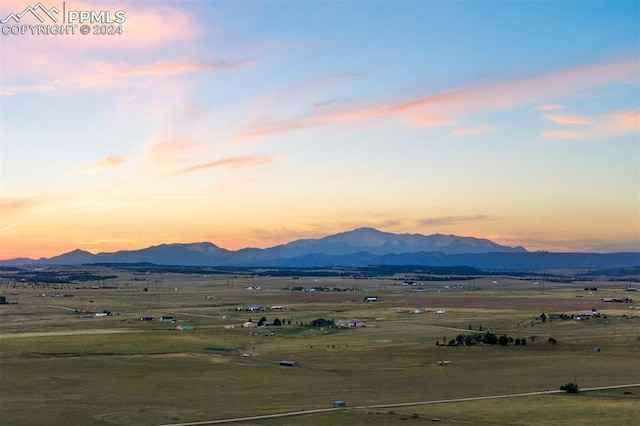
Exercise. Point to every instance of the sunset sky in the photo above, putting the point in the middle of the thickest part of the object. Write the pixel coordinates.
(254, 123)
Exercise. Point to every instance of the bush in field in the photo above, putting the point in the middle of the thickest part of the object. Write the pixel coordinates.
(570, 387)
(552, 341)
(503, 340)
(490, 338)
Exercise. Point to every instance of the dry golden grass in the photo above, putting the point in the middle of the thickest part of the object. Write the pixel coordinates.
(119, 370)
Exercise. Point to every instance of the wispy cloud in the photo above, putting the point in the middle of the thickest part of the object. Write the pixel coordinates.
(84, 207)
(431, 120)
(6, 228)
(564, 134)
(107, 163)
(45, 58)
(609, 124)
(233, 163)
(567, 119)
(478, 130)
(453, 220)
(172, 67)
(105, 241)
(459, 101)
(172, 151)
(105, 75)
(16, 205)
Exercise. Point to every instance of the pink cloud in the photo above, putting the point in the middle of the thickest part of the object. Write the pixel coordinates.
(106, 163)
(173, 150)
(233, 163)
(40, 63)
(172, 67)
(464, 100)
(431, 120)
(564, 134)
(17, 205)
(623, 121)
(609, 124)
(146, 26)
(567, 119)
(103, 75)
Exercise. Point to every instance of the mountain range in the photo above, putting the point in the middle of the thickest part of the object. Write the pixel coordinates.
(360, 247)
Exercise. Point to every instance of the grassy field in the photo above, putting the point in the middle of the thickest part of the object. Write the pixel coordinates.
(61, 365)
(612, 407)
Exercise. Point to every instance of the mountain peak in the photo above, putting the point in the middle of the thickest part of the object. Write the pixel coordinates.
(360, 240)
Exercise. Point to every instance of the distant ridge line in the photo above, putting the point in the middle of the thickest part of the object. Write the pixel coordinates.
(356, 248)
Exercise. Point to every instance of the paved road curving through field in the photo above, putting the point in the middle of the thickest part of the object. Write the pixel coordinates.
(402, 404)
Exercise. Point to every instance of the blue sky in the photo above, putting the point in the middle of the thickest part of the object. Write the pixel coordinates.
(252, 123)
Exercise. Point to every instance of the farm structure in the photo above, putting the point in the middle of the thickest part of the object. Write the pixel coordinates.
(184, 327)
(213, 350)
(356, 324)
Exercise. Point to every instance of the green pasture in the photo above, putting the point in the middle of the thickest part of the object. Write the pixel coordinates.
(58, 365)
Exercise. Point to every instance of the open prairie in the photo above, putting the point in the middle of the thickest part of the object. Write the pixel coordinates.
(63, 364)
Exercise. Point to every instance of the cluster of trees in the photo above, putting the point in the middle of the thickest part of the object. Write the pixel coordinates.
(321, 288)
(56, 277)
(544, 317)
(263, 322)
(486, 338)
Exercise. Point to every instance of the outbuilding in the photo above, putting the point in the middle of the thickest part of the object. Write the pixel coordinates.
(356, 323)
(289, 363)
(184, 327)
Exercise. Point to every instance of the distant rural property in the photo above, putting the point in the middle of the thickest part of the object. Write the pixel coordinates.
(98, 342)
